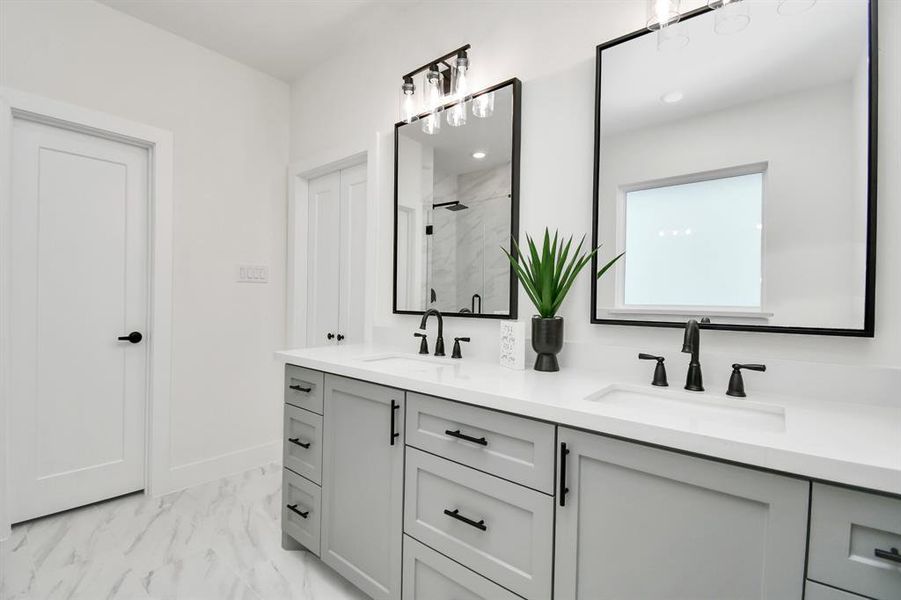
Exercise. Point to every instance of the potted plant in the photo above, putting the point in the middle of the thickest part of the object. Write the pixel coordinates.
(547, 277)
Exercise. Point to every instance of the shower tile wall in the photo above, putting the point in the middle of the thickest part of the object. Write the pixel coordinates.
(481, 232)
(466, 245)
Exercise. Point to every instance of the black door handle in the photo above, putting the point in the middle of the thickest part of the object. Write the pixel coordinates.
(134, 337)
(298, 388)
(330, 335)
(462, 436)
(563, 489)
(456, 515)
(340, 336)
(299, 443)
(893, 555)
(302, 513)
(394, 407)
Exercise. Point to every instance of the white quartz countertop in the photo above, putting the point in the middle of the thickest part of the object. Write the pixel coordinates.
(847, 443)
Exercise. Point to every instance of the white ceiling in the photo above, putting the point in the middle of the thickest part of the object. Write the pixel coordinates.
(281, 37)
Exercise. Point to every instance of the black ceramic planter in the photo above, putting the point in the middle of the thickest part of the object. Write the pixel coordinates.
(547, 341)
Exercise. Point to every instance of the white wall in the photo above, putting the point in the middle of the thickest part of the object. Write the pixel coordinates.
(550, 46)
(230, 129)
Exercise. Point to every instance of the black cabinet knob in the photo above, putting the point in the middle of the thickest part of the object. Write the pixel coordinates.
(134, 337)
(330, 336)
(340, 336)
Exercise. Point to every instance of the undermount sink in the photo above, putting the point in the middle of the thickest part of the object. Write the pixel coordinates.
(692, 411)
(409, 362)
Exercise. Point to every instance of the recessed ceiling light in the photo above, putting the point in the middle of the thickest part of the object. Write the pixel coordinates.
(672, 97)
(478, 154)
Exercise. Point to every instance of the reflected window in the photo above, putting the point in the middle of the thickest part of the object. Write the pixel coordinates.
(695, 243)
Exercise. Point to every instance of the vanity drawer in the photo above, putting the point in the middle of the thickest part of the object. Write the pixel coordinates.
(497, 528)
(303, 443)
(514, 448)
(816, 591)
(303, 388)
(301, 502)
(429, 575)
(848, 529)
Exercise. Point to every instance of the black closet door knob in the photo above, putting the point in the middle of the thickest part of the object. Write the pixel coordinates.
(340, 336)
(134, 337)
(330, 336)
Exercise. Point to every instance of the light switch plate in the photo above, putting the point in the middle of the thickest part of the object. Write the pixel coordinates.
(253, 274)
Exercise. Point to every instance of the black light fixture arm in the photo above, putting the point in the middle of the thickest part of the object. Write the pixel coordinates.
(441, 59)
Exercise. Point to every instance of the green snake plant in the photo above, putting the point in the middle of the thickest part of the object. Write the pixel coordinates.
(547, 276)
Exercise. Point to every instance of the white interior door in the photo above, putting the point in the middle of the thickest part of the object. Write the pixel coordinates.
(352, 255)
(78, 274)
(323, 260)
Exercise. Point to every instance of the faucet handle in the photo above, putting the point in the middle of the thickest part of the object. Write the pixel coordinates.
(424, 344)
(737, 382)
(456, 353)
(659, 371)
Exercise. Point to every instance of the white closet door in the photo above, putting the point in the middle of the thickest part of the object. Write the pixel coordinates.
(323, 259)
(79, 235)
(352, 300)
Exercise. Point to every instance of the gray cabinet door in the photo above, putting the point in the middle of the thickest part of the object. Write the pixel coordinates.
(639, 522)
(362, 484)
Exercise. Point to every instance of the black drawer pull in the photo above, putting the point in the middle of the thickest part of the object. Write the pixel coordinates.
(563, 489)
(456, 514)
(394, 408)
(462, 436)
(298, 388)
(303, 513)
(299, 443)
(892, 555)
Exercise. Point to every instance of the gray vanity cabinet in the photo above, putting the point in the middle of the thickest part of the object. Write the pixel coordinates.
(362, 484)
(639, 522)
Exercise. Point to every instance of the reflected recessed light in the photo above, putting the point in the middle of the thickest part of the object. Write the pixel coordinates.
(478, 154)
(672, 97)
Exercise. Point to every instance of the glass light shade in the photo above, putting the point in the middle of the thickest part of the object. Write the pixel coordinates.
(434, 87)
(483, 105)
(459, 90)
(732, 16)
(671, 38)
(662, 13)
(794, 7)
(408, 105)
(456, 114)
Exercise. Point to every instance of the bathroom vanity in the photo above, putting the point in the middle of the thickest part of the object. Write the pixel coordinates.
(422, 477)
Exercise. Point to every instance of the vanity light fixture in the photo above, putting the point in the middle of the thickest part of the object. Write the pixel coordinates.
(478, 155)
(730, 16)
(440, 85)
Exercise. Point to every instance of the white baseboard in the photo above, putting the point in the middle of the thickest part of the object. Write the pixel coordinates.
(217, 467)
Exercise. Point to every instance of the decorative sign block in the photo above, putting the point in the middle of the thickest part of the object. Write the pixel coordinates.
(513, 345)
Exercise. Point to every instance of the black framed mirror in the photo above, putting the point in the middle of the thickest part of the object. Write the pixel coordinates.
(456, 204)
(735, 165)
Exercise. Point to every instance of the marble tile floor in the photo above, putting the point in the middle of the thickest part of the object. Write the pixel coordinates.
(217, 541)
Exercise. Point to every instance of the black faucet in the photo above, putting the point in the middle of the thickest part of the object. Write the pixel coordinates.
(692, 343)
(439, 343)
